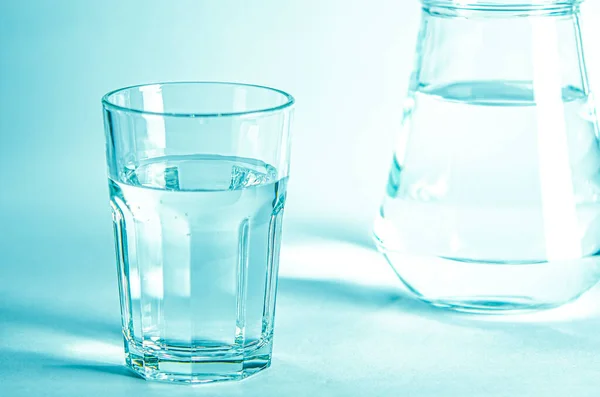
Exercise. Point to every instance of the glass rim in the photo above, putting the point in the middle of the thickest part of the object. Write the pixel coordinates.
(289, 100)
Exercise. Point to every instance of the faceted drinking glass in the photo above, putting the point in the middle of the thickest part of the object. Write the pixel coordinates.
(197, 174)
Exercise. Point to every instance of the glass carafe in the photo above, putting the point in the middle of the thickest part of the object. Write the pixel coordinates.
(493, 199)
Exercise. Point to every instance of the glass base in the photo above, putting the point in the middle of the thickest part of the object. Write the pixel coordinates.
(493, 287)
(179, 365)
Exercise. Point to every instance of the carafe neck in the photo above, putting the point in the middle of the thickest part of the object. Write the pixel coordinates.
(500, 8)
(480, 41)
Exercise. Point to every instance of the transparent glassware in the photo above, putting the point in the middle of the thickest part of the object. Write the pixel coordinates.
(197, 175)
(493, 198)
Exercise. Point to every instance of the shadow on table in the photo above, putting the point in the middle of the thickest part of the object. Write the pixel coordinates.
(71, 321)
(398, 302)
(111, 369)
(375, 297)
(341, 292)
(30, 362)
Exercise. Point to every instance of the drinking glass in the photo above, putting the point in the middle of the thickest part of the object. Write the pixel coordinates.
(197, 173)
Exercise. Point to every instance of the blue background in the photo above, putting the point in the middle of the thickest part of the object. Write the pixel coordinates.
(344, 326)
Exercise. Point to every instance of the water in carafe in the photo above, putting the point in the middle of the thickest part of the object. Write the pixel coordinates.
(493, 198)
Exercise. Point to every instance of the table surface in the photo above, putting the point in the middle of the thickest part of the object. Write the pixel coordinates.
(344, 327)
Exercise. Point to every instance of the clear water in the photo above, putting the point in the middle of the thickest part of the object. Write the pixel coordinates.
(198, 244)
(494, 195)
